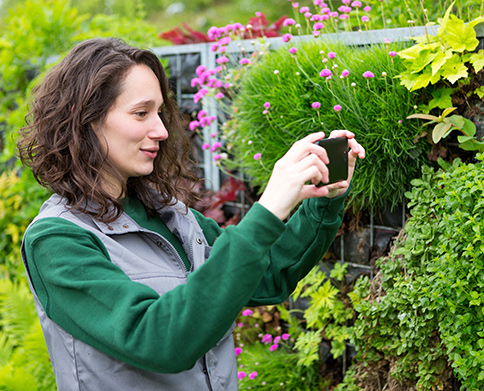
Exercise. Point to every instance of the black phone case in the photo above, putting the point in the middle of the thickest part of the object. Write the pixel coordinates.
(337, 150)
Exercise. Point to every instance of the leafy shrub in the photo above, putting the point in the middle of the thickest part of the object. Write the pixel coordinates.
(424, 312)
(374, 109)
(20, 200)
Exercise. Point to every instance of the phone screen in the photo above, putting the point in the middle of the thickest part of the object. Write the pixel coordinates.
(337, 150)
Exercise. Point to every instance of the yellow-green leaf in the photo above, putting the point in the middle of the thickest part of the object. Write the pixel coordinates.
(459, 36)
(477, 60)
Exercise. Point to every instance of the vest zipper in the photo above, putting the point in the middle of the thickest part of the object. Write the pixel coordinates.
(173, 250)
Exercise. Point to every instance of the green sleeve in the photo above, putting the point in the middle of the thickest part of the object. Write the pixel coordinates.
(308, 235)
(92, 299)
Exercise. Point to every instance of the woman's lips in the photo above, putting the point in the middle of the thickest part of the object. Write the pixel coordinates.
(151, 153)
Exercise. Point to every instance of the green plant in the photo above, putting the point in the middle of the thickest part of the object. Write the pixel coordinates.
(445, 125)
(328, 315)
(24, 360)
(20, 200)
(421, 318)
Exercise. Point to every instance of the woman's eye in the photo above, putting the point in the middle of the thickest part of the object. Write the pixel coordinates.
(141, 114)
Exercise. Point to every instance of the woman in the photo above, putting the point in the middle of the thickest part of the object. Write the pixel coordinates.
(134, 290)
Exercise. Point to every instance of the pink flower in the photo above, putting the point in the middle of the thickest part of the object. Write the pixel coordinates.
(288, 22)
(217, 157)
(277, 339)
(200, 69)
(315, 17)
(316, 105)
(325, 73)
(367, 8)
(245, 61)
(368, 75)
(247, 312)
(267, 105)
(257, 156)
(220, 95)
(222, 60)
(331, 55)
(258, 14)
(193, 125)
(304, 9)
(215, 146)
(286, 37)
(344, 9)
(238, 351)
(343, 17)
(325, 10)
(285, 336)
(337, 107)
(293, 50)
(253, 375)
(295, 5)
(325, 17)
(265, 112)
(346, 1)
(334, 14)
(387, 41)
(318, 26)
(267, 338)
(201, 114)
(205, 146)
(365, 19)
(241, 375)
(218, 84)
(345, 73)
(307, 15)
(273, 347)
(214, 47)
(356, 4)
(392, 53)
(224, 41)
(195, 82)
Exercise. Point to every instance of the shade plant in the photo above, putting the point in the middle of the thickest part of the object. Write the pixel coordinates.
(420, 322)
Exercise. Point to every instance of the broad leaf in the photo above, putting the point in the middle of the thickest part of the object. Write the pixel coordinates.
(440, 60)
(439, 131)
(459, 36)
(454, 69)
(469, 128)
(457, 121)
(477, 60)
(442, 98)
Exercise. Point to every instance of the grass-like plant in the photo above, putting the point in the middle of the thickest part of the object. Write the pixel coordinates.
(319, 85)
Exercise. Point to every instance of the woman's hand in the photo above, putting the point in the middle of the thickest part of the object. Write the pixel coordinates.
(306, 162)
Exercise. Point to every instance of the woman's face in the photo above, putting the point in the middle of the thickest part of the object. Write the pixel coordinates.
(133, 128)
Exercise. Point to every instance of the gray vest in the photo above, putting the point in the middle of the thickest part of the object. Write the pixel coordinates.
(150, 259)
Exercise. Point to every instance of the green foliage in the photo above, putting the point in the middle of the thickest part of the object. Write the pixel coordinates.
(445, 125)
(327, 317)
(448, 56)
(20, 201)
(24, 360)
(36, 32)
(374, 109)
(424, 312)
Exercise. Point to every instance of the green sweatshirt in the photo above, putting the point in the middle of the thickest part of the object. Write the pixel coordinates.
(66, 262)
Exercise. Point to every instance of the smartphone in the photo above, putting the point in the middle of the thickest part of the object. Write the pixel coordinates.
(337, 150)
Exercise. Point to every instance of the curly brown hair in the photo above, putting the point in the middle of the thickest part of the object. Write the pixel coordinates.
(63, 151)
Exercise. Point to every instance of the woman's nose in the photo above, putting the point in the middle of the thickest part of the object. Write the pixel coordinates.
(159, 131)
